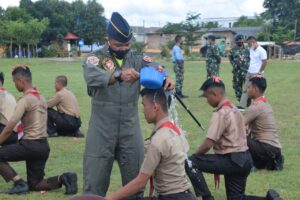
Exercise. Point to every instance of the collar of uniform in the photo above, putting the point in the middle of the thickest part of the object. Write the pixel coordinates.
(158, 124)
(220, 105)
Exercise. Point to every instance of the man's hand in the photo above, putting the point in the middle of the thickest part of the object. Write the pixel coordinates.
(129, 75)
(169, 84)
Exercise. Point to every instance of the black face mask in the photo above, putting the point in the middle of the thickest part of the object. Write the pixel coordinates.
(118, 54)
(240, 44)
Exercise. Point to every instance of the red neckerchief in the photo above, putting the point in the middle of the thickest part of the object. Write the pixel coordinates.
(169, 125)
(228, 104)
(262, 98)
(34, 92)
(2, 89)
(217, 176)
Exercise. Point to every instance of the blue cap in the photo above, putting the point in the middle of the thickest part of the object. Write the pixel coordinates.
(119, 29)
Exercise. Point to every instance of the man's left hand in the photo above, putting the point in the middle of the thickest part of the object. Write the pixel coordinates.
(169, 84)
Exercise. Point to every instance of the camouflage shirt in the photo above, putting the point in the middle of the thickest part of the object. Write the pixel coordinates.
(213, 54)
(240, 58)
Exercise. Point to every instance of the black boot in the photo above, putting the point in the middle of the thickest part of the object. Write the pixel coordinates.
(69, 180)
(273, 195)
(78, 134)
(20, 187)
(278, 162)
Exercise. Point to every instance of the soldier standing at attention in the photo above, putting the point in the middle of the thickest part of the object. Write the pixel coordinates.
(112, 77)
(213, 58)
(239, 57)
(178, 61)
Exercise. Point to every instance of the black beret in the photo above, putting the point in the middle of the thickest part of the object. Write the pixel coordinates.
(239, 37)
(119, 29)
(211, 37)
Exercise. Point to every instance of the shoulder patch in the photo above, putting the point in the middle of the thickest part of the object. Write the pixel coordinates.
(148, 59)
(93, 60)
(108, 64)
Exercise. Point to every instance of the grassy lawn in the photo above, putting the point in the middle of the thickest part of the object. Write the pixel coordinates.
(66, 153)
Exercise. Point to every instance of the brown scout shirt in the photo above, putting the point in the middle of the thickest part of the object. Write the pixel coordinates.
(32, 111)
(7, 106)
(165, 154)
(260, 118)
(66, 102)
(227, 129)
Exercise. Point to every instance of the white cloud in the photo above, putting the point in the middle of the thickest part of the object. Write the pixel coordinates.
(158, 12)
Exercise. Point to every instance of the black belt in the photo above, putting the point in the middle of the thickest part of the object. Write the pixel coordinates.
(184, 192)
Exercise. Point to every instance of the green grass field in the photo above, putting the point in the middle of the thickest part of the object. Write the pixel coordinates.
(66, 153)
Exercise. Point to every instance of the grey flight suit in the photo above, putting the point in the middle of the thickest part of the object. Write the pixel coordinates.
(114, 129)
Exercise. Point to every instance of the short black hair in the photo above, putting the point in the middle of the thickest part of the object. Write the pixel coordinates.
(213, 82)
(62, 79)
(156, 96)
(22, 71)
(260, 83)
(211, 37)
(251, 37)
(177, 38)
(2, 77)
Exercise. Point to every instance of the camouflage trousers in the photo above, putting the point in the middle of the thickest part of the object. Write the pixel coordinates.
(212, 69)
(238, 80)
(179, 72)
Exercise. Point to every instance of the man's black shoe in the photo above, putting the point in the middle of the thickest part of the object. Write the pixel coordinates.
(278, 162)
(20, 187)
(78, 134)
(273, 195)
(53, 134)
(69, 180)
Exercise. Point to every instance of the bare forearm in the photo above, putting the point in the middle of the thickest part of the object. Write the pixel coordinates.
(6, 132)
(205, 146)
(263, 66)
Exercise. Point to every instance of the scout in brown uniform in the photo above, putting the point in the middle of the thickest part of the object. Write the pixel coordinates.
(227, 135)
(7, 108)
(165, 153)
(66, 120)
(31, 109)
(263, 140)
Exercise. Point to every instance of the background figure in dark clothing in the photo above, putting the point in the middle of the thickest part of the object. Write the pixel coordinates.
(66, 119)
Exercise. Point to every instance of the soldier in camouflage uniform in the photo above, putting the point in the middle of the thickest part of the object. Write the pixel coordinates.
(239, 57)
(213, 58)
(112, 78)
(178, 61)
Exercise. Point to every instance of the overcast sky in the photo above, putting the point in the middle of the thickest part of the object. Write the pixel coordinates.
(158, 12)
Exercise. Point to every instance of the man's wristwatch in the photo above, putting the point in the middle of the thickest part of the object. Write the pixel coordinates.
(117, 75)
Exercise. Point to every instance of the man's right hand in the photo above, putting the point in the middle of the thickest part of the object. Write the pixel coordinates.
(130, 75)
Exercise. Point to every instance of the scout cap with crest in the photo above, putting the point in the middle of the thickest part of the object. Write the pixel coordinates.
(119, 29)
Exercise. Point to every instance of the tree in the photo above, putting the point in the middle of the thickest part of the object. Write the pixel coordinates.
(16, 13)
(210, 25)
(95, 25)
(244, 21)
(191, 26)
(35, 29)
(171, 28)
(284, 15)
